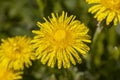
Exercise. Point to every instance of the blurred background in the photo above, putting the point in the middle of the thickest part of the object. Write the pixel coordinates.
(19, 17)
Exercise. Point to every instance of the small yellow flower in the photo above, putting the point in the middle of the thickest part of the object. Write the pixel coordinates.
(60, 40)
(16, 52)
(6, 74)
(106, 9)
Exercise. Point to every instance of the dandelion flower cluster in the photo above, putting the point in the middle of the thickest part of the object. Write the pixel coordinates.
(6, 74)
(60, 40)
(106, 9)
(16, 52)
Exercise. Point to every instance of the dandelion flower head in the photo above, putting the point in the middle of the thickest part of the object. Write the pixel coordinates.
(60, 40)
(106, 9)
(6, 74)
(16, 52)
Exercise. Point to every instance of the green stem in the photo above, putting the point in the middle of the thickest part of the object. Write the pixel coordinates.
(97, 32)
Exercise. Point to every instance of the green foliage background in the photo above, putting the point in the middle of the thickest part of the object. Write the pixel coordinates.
(19, 17)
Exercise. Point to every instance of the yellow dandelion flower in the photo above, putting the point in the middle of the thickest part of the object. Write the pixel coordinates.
(16, 52)
(6, 74)
(61, 40)
(106, 9)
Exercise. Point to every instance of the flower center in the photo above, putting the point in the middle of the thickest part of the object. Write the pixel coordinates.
(111, 4)
(59, 35)
(6, 75)
(17, 48)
